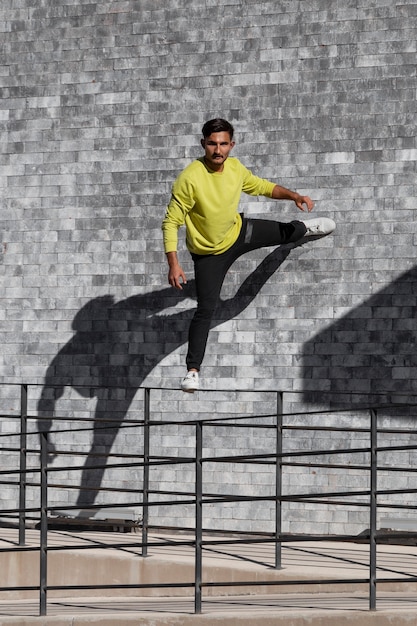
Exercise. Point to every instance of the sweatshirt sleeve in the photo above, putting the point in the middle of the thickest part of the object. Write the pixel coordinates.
(181, 202)
(255, 186)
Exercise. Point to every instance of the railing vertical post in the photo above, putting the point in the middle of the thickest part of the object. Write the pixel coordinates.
(278, 484)
(23, 460)
(43, 547)
(146, 449)
(373, 512)
(198, 515)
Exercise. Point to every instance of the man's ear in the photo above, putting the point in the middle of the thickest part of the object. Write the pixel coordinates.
(203, 143)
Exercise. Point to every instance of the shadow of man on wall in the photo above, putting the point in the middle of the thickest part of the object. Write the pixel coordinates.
(369, 355)
(114, 348)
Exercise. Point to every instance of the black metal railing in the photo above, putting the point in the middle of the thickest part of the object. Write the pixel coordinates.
(147, 498)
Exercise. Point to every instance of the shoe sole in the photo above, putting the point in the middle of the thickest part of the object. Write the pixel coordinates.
(319, 233)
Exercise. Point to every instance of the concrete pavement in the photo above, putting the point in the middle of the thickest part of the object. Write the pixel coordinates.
(89, 558)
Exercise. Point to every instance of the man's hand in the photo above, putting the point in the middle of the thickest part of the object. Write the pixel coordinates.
(304, 202)
(176, 275)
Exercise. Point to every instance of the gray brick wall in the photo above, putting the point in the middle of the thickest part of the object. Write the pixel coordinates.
(101, 106)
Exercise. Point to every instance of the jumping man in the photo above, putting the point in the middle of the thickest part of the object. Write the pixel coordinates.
(205, 197)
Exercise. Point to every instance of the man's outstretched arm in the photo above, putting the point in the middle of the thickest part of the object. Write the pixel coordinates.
(302, 202)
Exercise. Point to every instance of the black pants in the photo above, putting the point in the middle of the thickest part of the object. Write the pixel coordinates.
(210, 271)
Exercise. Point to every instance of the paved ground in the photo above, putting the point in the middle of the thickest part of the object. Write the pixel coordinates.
(324, 604)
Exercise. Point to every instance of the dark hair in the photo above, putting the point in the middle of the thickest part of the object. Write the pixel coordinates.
(217, 125)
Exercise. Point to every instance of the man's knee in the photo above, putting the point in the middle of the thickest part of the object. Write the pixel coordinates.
(298, 232)
(204, 312)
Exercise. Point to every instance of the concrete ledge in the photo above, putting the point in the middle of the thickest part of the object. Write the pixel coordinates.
(113, 519)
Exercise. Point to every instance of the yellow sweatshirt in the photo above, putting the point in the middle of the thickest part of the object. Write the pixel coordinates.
(207, 203)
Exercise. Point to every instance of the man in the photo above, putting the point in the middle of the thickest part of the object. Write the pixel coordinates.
(205, 197)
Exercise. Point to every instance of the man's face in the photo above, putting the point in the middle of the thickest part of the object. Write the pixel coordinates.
(217, 147)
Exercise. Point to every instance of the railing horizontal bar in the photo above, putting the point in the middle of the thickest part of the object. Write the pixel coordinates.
(400, 468)
(395, 491)
(325, 465)
(124, 546)
(334, 429)
(284, 538)
(245, 458)
(106, 466)
(396, 448)
(218, 499)
(282, 583)
(387, 505)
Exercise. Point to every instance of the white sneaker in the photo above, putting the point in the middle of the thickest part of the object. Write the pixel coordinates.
(319, 226)
(190, 382)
